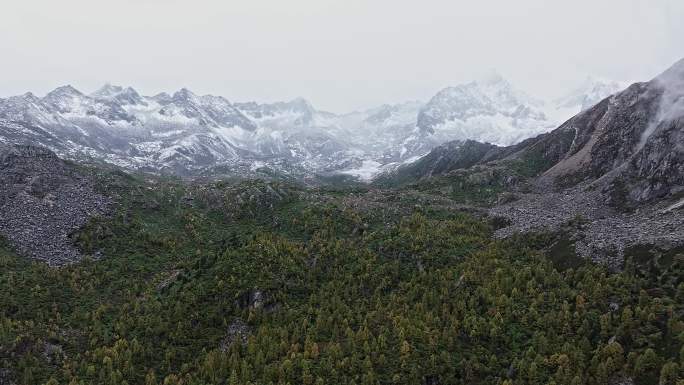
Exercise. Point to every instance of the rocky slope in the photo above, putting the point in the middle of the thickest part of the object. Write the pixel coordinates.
(42, 201)
(630, 144)
(631, 140)
(618, 166)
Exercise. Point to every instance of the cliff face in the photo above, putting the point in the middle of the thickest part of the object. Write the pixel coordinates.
(622, 174)
(42, 201)
(617, 168)
(627, 145)
(630, 146)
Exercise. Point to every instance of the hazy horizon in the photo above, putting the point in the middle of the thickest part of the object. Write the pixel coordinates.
(339, 56)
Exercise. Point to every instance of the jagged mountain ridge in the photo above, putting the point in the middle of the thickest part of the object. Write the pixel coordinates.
(473, 108)
(634, 136)
(589, 93)
(188, 134)
(611, 178)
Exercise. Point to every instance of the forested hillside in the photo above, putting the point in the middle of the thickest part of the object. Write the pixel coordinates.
(269, 283)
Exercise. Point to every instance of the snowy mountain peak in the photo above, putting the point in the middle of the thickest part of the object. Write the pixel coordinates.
(207, 110)
(66, 99)
(162, 98)
(64, 91)
(124, 96)
(68, 102)
(107, 90)
(20, 100)
(214, 100)
(400, 114)
(29, 95)
(129, 91)
(295, 113)
(28, 105)
(486, 110)
(591, 91)
(184, 94)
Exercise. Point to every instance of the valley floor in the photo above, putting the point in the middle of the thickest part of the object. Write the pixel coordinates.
(269, 283)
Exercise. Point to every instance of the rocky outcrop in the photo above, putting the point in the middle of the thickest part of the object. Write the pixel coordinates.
(251, 299)
(238, 332)
(622, 138)
(42, 201)
(168, 278)
(256, 299)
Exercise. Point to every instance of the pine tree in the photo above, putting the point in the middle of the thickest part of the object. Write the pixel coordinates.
(669, 374)
(150, 378)
(233, 378)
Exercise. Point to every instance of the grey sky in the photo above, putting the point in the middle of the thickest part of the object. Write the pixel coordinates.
(341, 55)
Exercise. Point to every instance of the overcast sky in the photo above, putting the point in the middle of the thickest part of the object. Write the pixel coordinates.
(341, 55)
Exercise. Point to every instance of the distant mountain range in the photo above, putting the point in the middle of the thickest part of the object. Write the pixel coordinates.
(191, 135)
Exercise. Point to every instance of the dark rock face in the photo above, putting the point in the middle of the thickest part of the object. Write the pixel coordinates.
(42, 201)
(251, 299)
(622, 174)
(451, 156)
(618, 166)
(632, 142)
(658, 169)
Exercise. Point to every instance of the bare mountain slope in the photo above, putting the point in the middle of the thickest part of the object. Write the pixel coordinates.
(42, 201)
(617, 168)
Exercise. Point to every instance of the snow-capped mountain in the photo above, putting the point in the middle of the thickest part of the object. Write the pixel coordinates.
(298, 112)
(585, 96)
(180, 133)
(383, 130)
(189, 134)
(127, 96)
(488, 110)
(381, 135)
